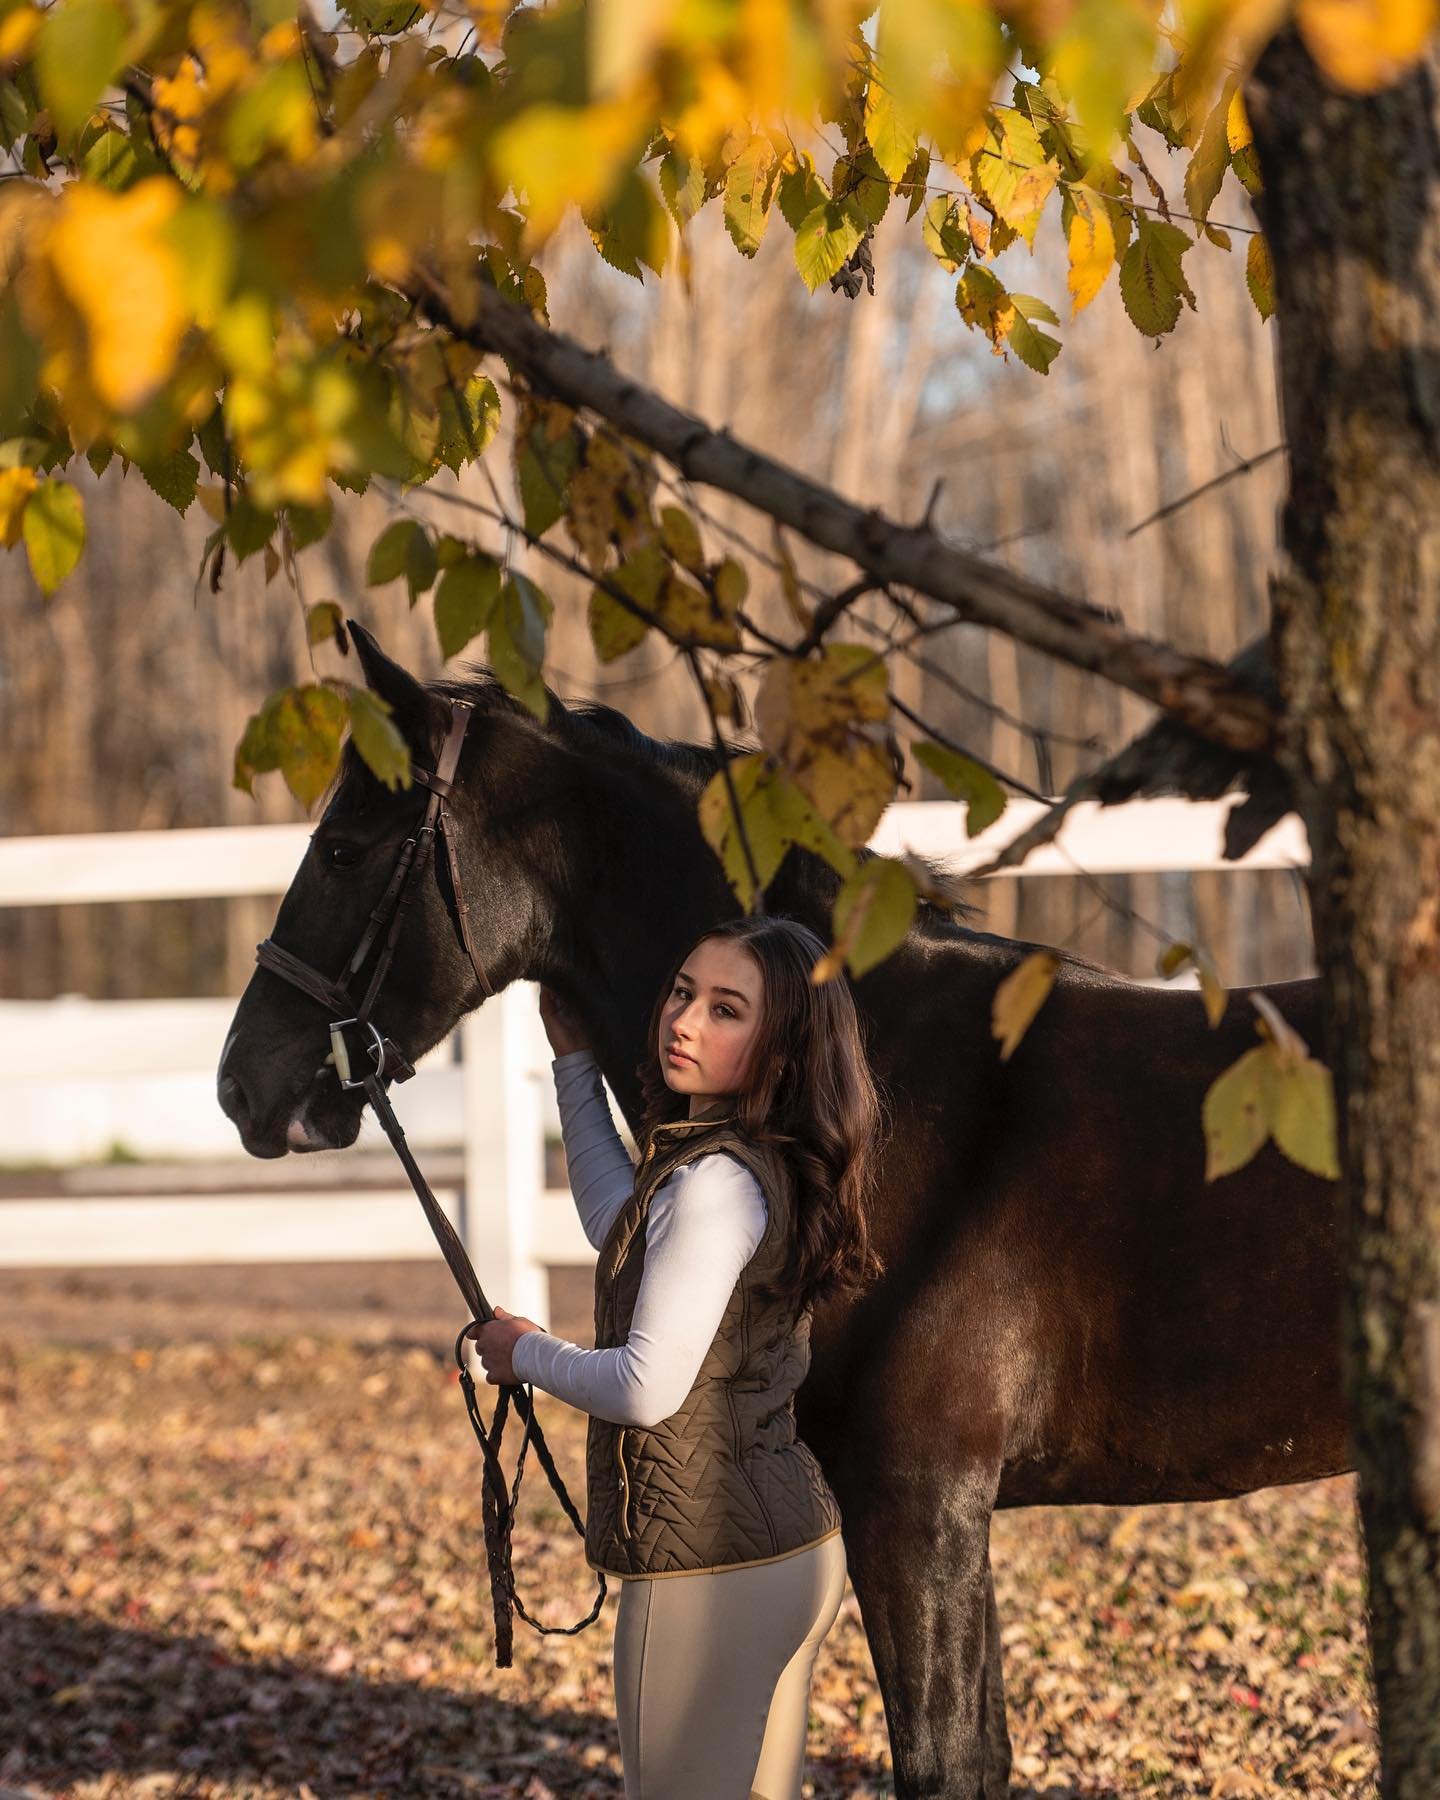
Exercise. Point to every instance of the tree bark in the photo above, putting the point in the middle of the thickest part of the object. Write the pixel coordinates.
(1352, 212)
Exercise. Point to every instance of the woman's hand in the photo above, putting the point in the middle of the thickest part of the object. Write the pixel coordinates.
(562, 1027)
(495, 1341)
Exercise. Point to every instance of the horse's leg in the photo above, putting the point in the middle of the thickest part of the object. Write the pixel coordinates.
(919, 1555)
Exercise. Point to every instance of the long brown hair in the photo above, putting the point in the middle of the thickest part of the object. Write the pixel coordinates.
(811, 1092)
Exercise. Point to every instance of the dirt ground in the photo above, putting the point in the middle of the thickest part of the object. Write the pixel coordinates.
(241, 1557)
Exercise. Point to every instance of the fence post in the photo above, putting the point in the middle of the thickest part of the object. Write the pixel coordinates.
(504, 1151)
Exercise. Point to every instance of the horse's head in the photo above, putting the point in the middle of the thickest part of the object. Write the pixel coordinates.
(275, 1081)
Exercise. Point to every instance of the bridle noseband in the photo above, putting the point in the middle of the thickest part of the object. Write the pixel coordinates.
(389, 1063)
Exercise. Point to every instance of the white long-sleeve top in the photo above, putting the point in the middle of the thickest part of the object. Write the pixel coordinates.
(704, 1224)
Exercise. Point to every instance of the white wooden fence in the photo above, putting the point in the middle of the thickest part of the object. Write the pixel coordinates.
(80, 1077)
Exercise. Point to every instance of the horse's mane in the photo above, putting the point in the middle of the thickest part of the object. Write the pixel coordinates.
(594, 722)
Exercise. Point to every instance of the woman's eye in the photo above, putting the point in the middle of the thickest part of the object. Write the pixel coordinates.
(341, 856)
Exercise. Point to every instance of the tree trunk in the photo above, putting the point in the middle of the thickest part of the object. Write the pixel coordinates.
(1352, 211)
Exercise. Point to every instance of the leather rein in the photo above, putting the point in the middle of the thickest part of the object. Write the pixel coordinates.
(389, 1063)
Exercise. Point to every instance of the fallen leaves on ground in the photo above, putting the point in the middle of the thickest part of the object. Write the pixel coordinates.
(256, 1569)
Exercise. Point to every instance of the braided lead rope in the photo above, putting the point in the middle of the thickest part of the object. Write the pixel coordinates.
(502, 1559)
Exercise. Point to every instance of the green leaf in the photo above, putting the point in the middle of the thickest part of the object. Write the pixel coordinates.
(799, 192)
(1210, 159)
(516, 642)
(1237, 1110)
(468, 422)
(1019, 997)
(79, 53)
(308, 524)
(825, 242)
(682, 183)
(749, 191)
(464, 601)
(1152, 282)
(378, 739)
(983, 795)
(174, 478)
(614, 629)
(14, 115)
(1260, 276)
(54, 530)
(891, 140)
(543, 467)
(382, 18)
(861, 182)
(421, 564)
(297, 731)
(1304, 1117)
(945, 233)
(761, 829)
(681, 537)
(1036, 349)
(873, 911)
(111, 161)
(323, 622)
(390, 553)
(248, 527)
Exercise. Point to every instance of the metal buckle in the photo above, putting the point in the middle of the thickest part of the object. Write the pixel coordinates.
(340, 1051)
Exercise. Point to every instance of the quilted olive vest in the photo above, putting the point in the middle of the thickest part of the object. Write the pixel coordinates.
(724, 1481)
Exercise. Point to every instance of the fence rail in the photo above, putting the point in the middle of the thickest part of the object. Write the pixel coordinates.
(80, 1079)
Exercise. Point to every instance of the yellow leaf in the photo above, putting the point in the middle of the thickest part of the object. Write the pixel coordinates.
(16, 487)
(1237, 124)
(891, 139)
(556, 155)
(116, 284)
(54, 532)
(1304, 1117)
(1091, 241)
(1212, 989)
(1236, 1112)
(1260, 276)
(18, 30)
(1019, 997)
(761, 832)
(614, 629)
(1364, 45)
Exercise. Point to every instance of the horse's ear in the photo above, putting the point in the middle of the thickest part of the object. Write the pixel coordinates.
(419, 716)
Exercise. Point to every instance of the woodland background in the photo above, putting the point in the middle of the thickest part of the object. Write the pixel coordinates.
(123, 696)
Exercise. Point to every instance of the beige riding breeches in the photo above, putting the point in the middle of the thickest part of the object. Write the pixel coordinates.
(712, 1675)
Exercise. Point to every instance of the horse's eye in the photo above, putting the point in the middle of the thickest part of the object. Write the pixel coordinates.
(341, 856)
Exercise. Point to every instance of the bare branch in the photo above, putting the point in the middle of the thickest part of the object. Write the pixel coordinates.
(1199, 693)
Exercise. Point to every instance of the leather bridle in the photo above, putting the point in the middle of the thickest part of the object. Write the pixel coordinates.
(390, 910)
(389, 1063)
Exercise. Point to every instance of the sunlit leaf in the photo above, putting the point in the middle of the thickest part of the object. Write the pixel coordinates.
(1237, 1111)
(53, 526)
(825, 241)
(873, 911)
(1019, 997)
(1365, 45)
(983, 795)
(378, 738)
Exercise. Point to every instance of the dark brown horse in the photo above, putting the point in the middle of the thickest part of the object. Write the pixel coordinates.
(1070, 1313)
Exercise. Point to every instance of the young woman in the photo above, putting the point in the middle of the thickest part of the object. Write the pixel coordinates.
(757, 1152)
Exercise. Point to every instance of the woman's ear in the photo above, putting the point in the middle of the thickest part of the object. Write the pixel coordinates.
(420, 717)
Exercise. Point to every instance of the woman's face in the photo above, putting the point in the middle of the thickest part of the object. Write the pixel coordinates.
(710, 1020)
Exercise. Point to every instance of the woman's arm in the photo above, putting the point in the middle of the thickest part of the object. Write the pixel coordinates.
(602, 1176)
(703, 1226)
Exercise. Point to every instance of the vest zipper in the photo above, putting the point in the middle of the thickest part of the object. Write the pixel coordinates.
(624, 1483)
